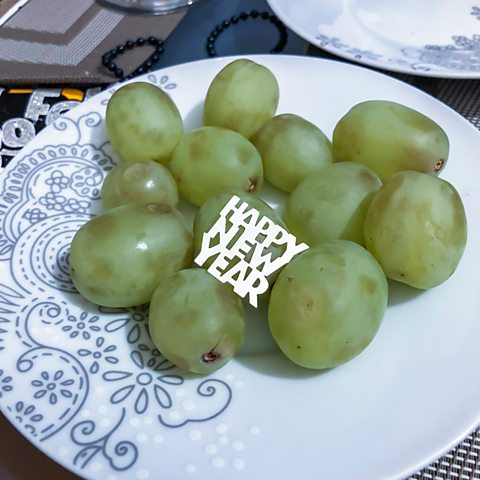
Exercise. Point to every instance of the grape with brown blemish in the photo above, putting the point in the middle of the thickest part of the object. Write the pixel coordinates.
(389, 138)
(195, 321)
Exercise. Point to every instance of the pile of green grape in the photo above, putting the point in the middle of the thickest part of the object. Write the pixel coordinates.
(368, 203)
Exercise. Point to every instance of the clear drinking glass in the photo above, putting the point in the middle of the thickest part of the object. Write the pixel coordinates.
(155, 7)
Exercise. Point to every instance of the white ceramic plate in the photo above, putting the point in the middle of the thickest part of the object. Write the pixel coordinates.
(87, 387)
(435, 38)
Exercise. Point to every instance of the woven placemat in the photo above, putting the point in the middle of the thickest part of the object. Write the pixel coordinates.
(462, 463)
(62, 41)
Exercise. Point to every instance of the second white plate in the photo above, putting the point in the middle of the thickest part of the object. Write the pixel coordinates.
(435, 38)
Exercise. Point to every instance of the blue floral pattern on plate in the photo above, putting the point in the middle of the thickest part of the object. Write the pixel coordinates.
(66, 350)
(463, 54)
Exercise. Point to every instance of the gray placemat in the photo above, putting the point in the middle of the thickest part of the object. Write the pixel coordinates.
(62, 41)
(462, 463)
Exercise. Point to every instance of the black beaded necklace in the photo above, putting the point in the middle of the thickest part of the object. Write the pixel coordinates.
(244, 16)
(147, 66)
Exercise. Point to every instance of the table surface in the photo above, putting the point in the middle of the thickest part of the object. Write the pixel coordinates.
(20, 460)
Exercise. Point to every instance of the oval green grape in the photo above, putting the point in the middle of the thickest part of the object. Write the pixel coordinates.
(241, 97)
(331, 204)
(327, 304)
(416, 228)
(118, 258)
(142, 182)
(291, 148)
(143, 123)
(211, 159)
(389, 138)
(195, 321)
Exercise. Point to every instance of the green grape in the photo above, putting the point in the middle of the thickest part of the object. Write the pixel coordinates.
(142, 182)
(291, 148)
(143, 123)
(195, 321)
(211, 159)
(118, 258)
(388, 138)
(241, 97)
(327, 304)
(331, 204)
(209, 213)
(417, 229)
